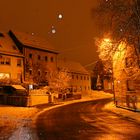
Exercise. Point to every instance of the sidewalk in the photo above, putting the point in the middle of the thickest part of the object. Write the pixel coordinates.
(135, 116)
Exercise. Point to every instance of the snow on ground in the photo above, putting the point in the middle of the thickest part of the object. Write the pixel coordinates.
(14, 118)
(20, 121)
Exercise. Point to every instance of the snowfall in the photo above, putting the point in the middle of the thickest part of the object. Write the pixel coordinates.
(18, 123)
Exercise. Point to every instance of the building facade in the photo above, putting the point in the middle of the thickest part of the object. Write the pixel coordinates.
(126, 73)
(40, 58)
(80, 78)
(11, 60)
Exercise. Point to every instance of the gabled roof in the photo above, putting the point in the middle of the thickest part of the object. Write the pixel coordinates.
(31, 40)
(72, 66)
(7, 46)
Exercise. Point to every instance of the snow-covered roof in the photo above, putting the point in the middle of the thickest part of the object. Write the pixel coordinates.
(72, 66)
(32, 40)
(7, 46)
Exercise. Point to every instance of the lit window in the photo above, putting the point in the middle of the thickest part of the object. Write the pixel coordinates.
(4, 75)
(18, 62)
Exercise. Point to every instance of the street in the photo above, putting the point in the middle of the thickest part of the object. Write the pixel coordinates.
(86, 121)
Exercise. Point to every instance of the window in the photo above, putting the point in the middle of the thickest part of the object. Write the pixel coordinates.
(39, 72)
(72, 76)
(130, 85)
(52, 59)
(39, 57)
(18, 62)
(30, 55)
(84, 77)
(1, 60)
(4, 75)
(87, 77)
(5, 60)
(46, 58)
(30, 71)
(77, 77)
(81, 77)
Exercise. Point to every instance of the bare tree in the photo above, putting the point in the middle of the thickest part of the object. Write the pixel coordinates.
(36, 72)
(59, 80)
(121, 22)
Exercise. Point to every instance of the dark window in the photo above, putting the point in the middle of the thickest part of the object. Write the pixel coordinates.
(77, 77)
(81, 77)
(39, 72)
(72, 76)
(130, 85)
(46, 58)
(30, 55)
(5, 60)
(39, 57)
(18, 62)
(52, 59)
(30, 71)
(84, 77)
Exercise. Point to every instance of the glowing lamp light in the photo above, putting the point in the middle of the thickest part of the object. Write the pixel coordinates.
(107, 40)
(60, 16)
(53, 31)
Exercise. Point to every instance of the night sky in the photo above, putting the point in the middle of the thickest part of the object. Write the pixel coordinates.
(75, 31)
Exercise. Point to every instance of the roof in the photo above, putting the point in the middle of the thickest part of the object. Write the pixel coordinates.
(18, 87)
(7, 46)
(72, 66)
(32, 40)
